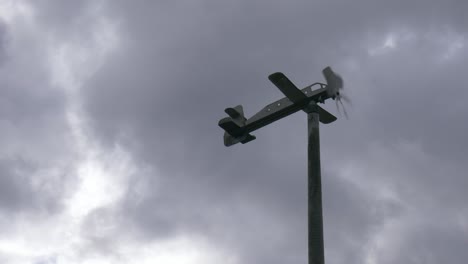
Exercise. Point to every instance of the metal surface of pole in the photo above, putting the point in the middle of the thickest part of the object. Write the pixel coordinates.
(315, 218)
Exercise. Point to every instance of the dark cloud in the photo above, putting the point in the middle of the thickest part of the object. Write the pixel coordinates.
(399, 159)
(163, 95)
(66, 19)
(442, 243)
(32, 112)
(25, 191)
(3, 42)
(33, 130)
(15, 191)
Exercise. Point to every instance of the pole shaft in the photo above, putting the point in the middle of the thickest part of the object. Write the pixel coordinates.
(315, 218)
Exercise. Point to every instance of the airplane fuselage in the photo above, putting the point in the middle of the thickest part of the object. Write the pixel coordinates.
(284, 107)
(237, 127)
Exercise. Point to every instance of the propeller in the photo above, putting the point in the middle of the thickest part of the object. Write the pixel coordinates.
(335, 89)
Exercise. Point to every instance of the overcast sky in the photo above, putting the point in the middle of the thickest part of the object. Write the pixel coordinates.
(110, 150)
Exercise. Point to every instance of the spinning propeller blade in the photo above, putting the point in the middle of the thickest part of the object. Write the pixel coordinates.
(335, 87)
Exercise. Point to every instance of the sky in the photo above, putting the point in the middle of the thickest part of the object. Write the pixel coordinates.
(111, 153)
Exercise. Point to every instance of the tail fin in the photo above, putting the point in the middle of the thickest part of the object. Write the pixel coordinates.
(234, 124)
(234, 127)
(236, 113)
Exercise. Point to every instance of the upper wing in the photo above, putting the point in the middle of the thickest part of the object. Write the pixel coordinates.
(287, 87)
(296, 95)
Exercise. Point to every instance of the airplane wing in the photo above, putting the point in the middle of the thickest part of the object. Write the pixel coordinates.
(287, 87)
(296, 95)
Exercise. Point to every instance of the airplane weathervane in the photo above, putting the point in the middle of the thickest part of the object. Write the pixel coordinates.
(237, 129)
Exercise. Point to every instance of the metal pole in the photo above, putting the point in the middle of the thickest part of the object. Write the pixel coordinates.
(315, 235)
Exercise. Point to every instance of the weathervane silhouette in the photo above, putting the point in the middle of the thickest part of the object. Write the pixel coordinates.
(237, 129)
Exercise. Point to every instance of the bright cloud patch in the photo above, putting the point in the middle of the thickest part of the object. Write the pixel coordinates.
(100, 176)
(11, 11)
(444, 44)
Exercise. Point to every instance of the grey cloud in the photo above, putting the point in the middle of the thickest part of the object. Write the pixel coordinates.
(19, 193)
(33, 131)
(431, 245)
(182, 63)
(30, 108)
(3, 42)
(66, 19)
(15, 191)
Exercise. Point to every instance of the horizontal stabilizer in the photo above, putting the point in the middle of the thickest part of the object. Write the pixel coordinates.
(230, 126)
(230, 140)
(248, 138)
(287, 87)
(325, 116)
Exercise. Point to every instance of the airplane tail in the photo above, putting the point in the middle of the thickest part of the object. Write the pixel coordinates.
(234, 127)
(230, 140)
